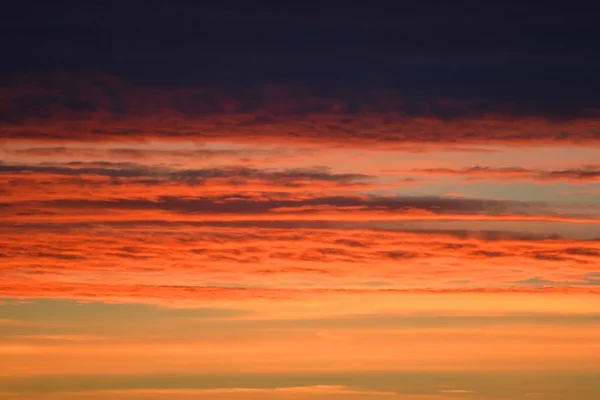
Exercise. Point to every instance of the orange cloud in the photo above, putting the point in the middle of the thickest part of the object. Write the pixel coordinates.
(279, 258)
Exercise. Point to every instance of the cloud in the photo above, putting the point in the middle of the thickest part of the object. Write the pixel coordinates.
(156, 259)
(277, 391)
(192, 295)
(341, 207)
(106, 109)
(295, 392)
(586, 173)
(587, 279)
(456, 391)
(59, 338)
(131, 177)
(265, 155)
(256, 249)
(288, 177)
(106, 180)
(462, 230)
(140, 154)
(207, 169)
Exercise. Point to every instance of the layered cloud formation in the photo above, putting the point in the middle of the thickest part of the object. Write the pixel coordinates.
(269, 201)
(104, 108)
(282, 191)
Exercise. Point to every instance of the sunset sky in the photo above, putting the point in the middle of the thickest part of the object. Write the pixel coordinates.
(277, 201)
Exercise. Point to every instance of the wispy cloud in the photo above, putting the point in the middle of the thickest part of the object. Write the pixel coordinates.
(586, 173)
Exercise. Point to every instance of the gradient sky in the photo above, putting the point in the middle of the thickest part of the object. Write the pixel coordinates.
(299, 201)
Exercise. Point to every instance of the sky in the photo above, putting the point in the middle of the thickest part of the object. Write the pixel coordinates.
(276, 200)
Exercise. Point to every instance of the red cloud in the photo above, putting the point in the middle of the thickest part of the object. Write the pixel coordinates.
(103, 108)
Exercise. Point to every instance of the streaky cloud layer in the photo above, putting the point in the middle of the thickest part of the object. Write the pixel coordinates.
(280, 201)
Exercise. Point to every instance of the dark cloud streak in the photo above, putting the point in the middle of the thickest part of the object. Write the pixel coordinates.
(242, 204)
(583, 173)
